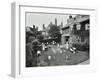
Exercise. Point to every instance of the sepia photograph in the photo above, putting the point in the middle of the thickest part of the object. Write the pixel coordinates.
(54, 39)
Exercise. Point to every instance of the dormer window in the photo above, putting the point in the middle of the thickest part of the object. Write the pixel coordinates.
(78, 26)
(87, 26)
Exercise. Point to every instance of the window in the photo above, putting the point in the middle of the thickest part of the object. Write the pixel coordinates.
(78, 26)
(87, 26)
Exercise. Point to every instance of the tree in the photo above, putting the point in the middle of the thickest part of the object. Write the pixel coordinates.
(54, 31)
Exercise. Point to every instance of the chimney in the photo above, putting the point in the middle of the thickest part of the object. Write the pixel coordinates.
(70, 16)
(56, 21)
(43, 26)
(61, 24)
(37, 28)
(33, 26)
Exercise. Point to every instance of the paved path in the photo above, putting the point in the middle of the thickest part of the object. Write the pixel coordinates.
(85, 62)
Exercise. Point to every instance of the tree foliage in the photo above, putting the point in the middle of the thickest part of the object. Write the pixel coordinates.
(54, 31)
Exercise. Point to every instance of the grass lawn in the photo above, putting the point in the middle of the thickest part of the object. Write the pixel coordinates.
(60, 58)
(78, 58)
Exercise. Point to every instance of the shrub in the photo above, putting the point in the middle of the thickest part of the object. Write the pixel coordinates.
(81, 47)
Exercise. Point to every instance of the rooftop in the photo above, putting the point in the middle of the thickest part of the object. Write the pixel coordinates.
(77, 19)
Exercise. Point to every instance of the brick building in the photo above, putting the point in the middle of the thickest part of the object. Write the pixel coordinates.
(76, 30)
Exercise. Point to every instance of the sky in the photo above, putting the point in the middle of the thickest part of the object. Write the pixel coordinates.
(38, 19)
